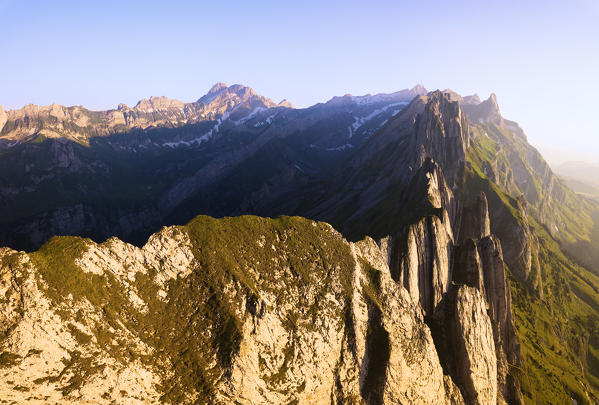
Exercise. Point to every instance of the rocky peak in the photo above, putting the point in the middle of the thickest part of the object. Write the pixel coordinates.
(441, 132)
(213, 93)
(158, 104)
(342, 100)
(472, 340)
(242, 91)
(32, 113)
(57, 121)
(27, 111)
(221, 90)
(419, 90)
(489, 107)
(402, 96)
(221, 98)
(217, 88)
(473, 99)
(487, 110)
(285, 103)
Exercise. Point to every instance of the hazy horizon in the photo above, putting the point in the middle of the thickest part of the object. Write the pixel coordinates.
(539, 58)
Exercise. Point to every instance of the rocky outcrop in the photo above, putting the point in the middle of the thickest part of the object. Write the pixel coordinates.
(479, 264)
(441, 132)
(472, 338)
(499, 299)
(448, 259)
(468, 267)
(475, 222)
(52, 358)
(421, 262)
(522, 253)
(342, 330)
(464, 292)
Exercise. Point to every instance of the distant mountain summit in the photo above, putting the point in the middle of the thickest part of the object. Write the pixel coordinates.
(237, 103)
(79, 123)
(399, 96)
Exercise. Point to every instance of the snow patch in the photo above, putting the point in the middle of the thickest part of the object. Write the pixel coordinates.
(267, 121)
(342, 147)
(251, 115)
(360, 121)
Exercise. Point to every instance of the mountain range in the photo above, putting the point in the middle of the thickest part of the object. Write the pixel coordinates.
(126, 172)
(409, 247)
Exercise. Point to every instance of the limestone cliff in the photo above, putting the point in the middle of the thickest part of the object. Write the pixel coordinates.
(245, 310)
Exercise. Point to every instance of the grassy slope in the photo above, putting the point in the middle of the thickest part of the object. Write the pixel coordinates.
(559, 334)
(570, 215)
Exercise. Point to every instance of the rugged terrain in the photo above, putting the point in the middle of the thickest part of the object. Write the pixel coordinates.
(464, 270)
(93, 176)
(248, 310)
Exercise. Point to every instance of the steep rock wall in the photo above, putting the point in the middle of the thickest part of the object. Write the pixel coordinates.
(277, 335)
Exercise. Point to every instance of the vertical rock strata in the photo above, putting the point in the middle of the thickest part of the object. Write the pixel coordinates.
(358, 336)
(453, 265)
(472, 338)
(421, 263)
(464, 292)
(355, 337)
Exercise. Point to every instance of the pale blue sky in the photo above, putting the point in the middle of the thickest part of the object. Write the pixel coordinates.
(541, 58)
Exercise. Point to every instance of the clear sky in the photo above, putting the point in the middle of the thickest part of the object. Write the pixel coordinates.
(541, 58)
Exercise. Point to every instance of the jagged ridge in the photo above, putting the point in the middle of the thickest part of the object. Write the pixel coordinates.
(419, 180)
(245, 309)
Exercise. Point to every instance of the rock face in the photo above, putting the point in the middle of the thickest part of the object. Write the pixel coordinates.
(422, 263)
(46, 354)
(463, 290)
(267, 311)
(480, 265)
(442, 132)
(475, 220)
(475, 349)
(522, 254)
(499, 299)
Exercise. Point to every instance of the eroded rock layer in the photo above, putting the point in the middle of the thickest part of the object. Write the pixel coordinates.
(245, 310)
